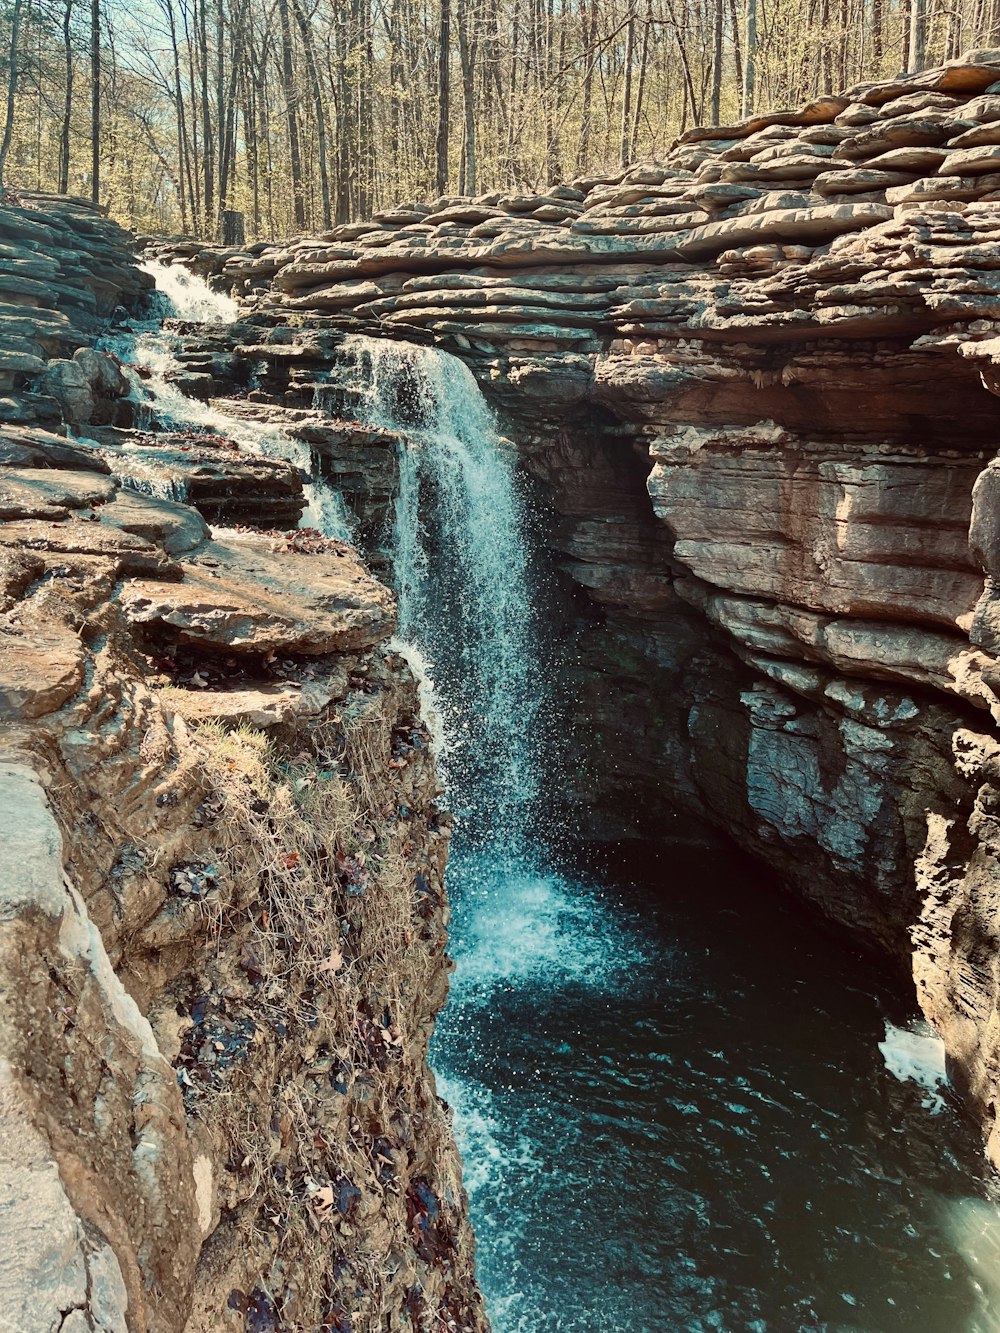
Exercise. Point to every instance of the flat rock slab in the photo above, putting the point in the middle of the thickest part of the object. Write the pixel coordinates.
(45, 493)
(40, 669)
(264, 706)
(175, 527)
(125, 553)
(248, 597)
(26, 447)
(227, 486)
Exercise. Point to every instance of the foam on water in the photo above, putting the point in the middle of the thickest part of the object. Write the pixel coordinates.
(523, 928)
(916, 1053)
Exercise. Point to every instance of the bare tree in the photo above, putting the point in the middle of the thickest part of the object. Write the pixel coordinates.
(444, 98)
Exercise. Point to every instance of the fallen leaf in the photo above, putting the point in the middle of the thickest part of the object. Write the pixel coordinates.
(322, 1200)
(333, 963)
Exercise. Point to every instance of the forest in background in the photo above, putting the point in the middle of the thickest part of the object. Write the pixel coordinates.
(300, 114)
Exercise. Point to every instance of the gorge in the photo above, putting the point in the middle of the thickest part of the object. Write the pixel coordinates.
(684, 483)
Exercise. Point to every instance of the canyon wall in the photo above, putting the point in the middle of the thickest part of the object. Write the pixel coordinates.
(223, 920)
(755, 388)
(755, 383)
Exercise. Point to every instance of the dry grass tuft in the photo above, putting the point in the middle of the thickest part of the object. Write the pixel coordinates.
(331, 970)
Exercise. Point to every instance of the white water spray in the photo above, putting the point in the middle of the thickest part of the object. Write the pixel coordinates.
(462, 570)
(188, 296)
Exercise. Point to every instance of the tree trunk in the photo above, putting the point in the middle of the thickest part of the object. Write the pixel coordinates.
(640, 92)
(467, 53)
(876, 37)
(918, 36)
(64, 132)
(717, 62)
(207, 132)
(291, 119)
(183, 157)
(737, 47)
(232, 227)
(444, 99)
(589, 36)
(95, 100)
(750, 57)
(8, 127)
(317, 92)
(626, 137)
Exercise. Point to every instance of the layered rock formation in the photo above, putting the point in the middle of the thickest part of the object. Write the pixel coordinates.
(223, 927)
(65, 270)
(756, 383)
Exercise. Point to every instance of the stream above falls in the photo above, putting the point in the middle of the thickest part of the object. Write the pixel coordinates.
(681, 1106)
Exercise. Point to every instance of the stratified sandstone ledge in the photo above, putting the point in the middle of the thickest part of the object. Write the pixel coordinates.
(222, 919)
(270, 900)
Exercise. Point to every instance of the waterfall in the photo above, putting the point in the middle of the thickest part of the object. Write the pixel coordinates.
(462, 570)
(468, 592)
(183, 295)
(188, 296)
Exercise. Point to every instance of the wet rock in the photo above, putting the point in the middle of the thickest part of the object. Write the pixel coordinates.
(69, 384)
(176, 528)
(20, 447)
(225, 485)
(43, 493)
(39, 671)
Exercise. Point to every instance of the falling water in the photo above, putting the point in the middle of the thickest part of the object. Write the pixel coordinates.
(188, 296)
(460, 555)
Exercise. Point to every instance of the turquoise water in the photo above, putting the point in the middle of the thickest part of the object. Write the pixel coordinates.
(676, 1114)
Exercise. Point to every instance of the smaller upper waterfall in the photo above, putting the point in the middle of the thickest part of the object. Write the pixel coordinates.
(186, 296)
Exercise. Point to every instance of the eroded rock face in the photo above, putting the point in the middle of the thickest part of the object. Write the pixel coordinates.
(245, 596)
(222, 918)
(66, 268)
(207, 1082)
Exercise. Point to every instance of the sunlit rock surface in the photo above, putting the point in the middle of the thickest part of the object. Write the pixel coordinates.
(222, 916)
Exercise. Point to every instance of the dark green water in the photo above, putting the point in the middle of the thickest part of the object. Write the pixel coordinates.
(676, 1115)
